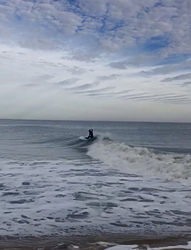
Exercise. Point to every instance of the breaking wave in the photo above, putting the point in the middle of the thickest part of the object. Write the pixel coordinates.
(141, 160)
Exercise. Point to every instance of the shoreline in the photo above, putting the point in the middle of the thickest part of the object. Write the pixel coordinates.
(94, 242)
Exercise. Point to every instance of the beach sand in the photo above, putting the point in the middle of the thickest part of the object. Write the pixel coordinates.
(98, 242)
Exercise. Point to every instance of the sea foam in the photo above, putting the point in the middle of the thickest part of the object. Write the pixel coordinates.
(141, 160)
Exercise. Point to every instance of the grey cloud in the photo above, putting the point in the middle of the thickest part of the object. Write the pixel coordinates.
(138, 96)
(37, 43)
(42, 78)
(84, 86)
(176, 78)
(158, 71)
(101, 95)
(169, 98)
(44, 63)
(76, 70)
(67, 82)
(30, 85)
(87, 55)
(125, 91)
(134, 60)
(104, 92)
(119, 65)
(166, 69)
(5, 54)
(39, 80)
(109, 77)
(184, 84)
(96, 91)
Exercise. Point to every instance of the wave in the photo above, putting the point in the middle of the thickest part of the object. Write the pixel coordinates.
(81, 141)
(56, 140)
(71, 140)
(141, 160)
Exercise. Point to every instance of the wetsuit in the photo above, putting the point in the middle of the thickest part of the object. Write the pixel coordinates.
(90, 134)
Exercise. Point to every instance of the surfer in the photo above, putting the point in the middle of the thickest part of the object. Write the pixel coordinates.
(91, 135)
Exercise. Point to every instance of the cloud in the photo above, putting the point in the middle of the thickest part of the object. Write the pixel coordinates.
(37, 43)
(77, 70)
(149, 25)
(98, 92)
(85, 54)
(162, 98)
(119, 65)
(177, 78)
(184, 84)
(84, 86)
(44, 77)
(108, 77)
(67, 82)
(119, 51)
(167, 69)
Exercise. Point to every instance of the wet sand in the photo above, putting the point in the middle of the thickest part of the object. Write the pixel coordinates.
(91, 242)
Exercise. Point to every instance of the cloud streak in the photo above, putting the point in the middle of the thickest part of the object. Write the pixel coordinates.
(67, 82)
(177, 78)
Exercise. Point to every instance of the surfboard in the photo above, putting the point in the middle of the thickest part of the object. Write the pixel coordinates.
(83, 138)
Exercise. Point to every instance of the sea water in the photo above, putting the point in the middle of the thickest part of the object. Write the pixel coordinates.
(134, 178)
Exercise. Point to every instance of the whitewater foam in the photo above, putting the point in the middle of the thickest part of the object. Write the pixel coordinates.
(56, 197)
(146, 247)
(141, 161)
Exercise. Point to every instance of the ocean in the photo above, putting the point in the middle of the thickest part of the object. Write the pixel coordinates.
(135, 178)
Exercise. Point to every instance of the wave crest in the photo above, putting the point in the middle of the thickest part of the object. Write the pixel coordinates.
(141, 161)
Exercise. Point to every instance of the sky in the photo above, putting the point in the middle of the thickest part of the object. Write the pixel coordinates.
(114, 60)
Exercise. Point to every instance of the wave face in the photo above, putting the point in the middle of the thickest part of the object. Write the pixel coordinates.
(141, 160)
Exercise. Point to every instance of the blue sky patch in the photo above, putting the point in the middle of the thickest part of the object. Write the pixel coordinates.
(156, 43)
(73, 1)
(158, 4)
